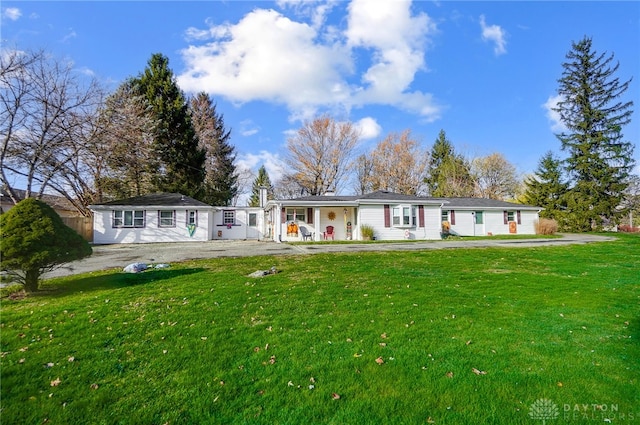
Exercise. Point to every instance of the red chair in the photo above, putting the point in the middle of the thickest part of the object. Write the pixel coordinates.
(329, 233)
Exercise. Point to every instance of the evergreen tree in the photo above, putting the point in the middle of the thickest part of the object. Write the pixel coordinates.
(546, 187)
(262, 180)
(181, 167)
(599, 161)
(35, 241)
(449, 173)
(221, 177)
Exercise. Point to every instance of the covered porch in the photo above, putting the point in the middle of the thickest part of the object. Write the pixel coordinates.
(292, 222)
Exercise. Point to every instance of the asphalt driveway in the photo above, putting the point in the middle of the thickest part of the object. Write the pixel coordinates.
(118, 256)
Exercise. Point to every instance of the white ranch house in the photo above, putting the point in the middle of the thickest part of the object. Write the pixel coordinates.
(172, 217)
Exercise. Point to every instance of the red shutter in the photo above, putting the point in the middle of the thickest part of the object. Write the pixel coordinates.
(453, 217)
(421, 215)
(387, 216)
(283, 215)
(310, 215)
(506, 217)
(519, 217)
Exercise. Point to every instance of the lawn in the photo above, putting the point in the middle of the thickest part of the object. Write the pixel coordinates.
(456, 336)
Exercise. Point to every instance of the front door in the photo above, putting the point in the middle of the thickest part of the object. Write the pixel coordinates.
(478, 223)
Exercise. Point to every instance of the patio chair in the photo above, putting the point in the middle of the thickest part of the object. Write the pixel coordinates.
(329, 233)
(306, 234)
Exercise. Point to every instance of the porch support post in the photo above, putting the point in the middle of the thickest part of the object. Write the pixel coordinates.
(316, 223)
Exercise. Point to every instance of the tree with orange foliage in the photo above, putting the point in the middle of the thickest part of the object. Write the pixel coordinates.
(399, 165)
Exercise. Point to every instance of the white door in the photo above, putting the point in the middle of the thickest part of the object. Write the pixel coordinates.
(253, 231)
(478, 223)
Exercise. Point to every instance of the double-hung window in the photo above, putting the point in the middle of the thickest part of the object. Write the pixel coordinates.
(192, 218)
(128, 218)
(297, 214)
(166, 218)
(404, 216)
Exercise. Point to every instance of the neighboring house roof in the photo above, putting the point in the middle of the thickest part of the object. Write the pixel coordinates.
(56, 202)
(153, 200)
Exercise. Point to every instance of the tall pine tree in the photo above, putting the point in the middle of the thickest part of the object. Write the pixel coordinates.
(181, 158)
(547, 188)
(449, 173)
(262, 180)
(593, 112)
(221, 180)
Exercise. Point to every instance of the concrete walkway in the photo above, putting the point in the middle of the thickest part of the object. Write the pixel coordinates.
(118, 256)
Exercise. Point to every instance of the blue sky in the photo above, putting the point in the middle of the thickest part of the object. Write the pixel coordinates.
(485, 72)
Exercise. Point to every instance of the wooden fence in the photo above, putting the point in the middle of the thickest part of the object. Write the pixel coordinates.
(82, 225)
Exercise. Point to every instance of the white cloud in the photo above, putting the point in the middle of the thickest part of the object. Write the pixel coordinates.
(248, 128)
(557, 125)
(12, 13)
(272, 163)
(369, 128)
(309, 67)
(71, 34)
(495, 34)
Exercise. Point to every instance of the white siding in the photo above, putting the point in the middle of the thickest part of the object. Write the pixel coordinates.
(373, 215)
(240, 230)
(105, 233)
(493, 223)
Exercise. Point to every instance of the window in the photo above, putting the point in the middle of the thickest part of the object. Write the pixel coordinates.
(510, 216)
(166, 218)
(229, 217)
(192, 218)
(444, 216)
(294, 214)
(128, 218)
(253, 219)
(479, 217)
(404, 216)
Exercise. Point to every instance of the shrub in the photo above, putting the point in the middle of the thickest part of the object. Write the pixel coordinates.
(366, 231)
(35, 240)
(546, 226)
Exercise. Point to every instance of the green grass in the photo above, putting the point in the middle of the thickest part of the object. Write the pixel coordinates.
(203, 343)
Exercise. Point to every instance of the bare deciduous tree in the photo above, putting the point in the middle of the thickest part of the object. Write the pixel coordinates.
(123, 152)
(320, 154)
(494, 177)
(46, 109)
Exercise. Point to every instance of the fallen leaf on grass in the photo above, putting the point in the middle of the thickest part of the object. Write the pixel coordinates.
(71, 359)
(50, 364)
(430, 421)
(383, 344)
(379, 360)
(94, 386)
(560, 384)
(335, 396)
(56, 382)
(478, 372)
(384, 335)
(21, 360)
(449, 374)
(469, 342)
(357, 355)
(272, 359)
